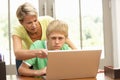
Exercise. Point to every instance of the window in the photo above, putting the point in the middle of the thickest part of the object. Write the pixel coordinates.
(84, 17)
(85, 21)
(4, 30)
(70, 14)
(13, 18)
(89, 25)
(7, 21)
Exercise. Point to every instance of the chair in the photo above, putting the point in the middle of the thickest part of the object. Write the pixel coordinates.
(2, 70)
(18, 63)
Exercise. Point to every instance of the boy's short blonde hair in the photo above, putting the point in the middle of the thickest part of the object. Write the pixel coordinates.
(57, 26)
(25, 9)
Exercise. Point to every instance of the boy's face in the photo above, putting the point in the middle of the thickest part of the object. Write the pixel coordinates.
(55, 41)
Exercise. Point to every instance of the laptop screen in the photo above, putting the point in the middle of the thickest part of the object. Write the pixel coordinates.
(72, 64)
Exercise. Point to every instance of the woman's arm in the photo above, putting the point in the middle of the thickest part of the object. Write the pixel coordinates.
(25, 71)
(70, 43)
(22, 54)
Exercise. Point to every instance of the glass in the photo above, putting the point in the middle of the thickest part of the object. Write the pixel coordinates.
(7, 21)
(4, 37)
(92, 24)
(69, 12)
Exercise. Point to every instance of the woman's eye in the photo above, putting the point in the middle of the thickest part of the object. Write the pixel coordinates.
(35, 20)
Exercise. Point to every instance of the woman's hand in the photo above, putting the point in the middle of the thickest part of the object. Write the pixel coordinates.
(42, 53)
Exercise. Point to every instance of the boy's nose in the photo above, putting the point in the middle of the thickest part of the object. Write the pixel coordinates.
(57, 40)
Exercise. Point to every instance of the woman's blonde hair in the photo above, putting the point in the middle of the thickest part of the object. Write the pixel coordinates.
(25, 9)
(57, 26)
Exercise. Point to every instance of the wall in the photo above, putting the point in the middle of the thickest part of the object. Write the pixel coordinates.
(115, 10)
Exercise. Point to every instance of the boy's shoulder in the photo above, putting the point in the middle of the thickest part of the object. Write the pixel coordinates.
(66, 47)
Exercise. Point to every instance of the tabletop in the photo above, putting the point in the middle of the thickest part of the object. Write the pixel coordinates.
(100, 76)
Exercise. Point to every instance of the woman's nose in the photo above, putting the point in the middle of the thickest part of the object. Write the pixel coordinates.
(34, 25)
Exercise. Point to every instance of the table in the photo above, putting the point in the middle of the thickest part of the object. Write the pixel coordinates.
(14, 77)
(100, 76)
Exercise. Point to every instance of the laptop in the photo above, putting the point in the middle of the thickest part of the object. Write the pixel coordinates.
(72, 64)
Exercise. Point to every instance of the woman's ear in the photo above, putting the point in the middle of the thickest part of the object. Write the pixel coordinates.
(21, 21)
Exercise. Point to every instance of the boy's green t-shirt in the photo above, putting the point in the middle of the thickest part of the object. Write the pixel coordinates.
(39, 63)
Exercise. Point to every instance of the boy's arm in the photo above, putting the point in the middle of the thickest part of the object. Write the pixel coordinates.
(24, 70)
(70, 43)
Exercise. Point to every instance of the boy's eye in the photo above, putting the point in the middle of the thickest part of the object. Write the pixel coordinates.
(60, 38)
(53, 38)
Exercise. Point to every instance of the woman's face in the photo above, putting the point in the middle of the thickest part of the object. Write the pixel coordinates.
(30, 23)
(55, 41)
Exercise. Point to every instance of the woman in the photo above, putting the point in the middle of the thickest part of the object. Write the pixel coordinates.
(31, 29)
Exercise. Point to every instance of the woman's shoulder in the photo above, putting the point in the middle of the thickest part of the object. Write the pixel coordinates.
(18, 30)
(18, 27)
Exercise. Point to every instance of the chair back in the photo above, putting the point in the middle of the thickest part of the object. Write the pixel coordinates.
(2, 70)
